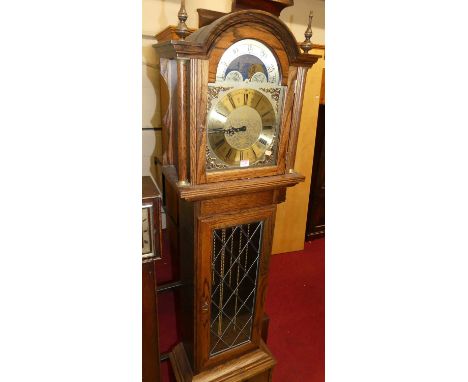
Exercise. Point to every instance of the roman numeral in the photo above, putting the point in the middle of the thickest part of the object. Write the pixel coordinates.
(232, 101)
(241, 155)
(246, 98)
(258, 102)
(228, 154)
(219, 144)
(268, 112)
(262, 141)
(254, 153)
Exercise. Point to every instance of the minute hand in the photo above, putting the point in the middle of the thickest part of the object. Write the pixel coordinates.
(229, 131)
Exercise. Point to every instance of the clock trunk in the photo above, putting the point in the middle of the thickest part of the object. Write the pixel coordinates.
(225, 246)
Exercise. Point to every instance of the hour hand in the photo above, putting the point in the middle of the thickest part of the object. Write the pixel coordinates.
(232, 130)
(237, 129)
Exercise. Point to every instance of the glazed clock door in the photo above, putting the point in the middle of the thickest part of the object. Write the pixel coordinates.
(244, 109)
(235, 255)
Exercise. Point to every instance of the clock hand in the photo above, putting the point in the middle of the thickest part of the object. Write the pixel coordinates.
(237, 129)
(216, 130)
(229, 131)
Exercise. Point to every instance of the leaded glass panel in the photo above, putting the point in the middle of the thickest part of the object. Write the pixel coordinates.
(235, 258)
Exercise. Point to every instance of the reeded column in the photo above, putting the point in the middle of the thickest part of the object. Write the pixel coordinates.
(182, 121)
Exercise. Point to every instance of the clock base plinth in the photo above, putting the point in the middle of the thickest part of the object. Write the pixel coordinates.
(256, 366)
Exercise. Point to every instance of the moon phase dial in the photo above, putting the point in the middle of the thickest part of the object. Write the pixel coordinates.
(241, 128)
(248, 60)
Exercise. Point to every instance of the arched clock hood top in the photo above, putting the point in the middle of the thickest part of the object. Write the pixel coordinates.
(200, 43)
(208, 34)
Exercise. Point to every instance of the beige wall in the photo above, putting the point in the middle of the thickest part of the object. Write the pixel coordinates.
(151, 114)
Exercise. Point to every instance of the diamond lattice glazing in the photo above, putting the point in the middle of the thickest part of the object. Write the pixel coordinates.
(235, 257)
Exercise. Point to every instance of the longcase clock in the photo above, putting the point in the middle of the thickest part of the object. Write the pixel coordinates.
(234, 92)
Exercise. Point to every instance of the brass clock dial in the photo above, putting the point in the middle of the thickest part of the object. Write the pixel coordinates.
(241, 127)
(244, 108)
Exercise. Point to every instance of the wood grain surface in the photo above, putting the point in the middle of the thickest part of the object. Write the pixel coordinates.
(198, 115)
(150, 330)
(182, 120)
(255, 366)
(238, 187)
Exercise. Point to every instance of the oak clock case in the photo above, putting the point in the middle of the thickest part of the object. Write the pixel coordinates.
(234, 96)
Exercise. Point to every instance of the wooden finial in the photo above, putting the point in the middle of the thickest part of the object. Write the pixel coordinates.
(182, 30)
(307, 44)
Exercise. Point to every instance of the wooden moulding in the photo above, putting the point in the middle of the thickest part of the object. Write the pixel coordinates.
(242, 173)
(244, 202)
(259, 362)
(287, 118)
(182, 120)
(169, 33)
(168, 88)
(198, 104)
(239, 187)
(296, 118)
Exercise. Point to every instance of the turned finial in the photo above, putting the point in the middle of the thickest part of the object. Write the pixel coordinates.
(307, 44)
(182, 30)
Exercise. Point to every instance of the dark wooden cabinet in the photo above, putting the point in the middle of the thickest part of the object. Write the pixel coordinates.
(150, 330)
(316, 213)
(151, 252)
